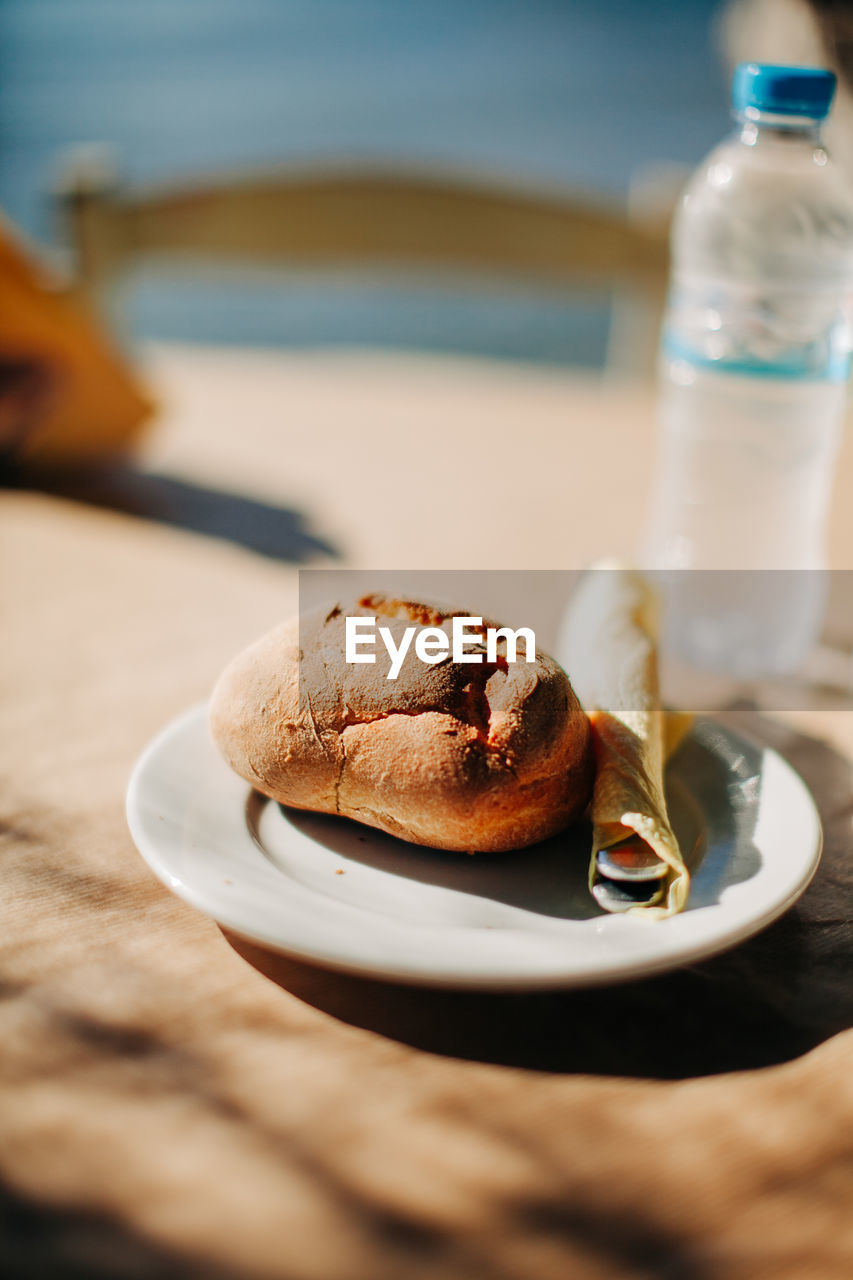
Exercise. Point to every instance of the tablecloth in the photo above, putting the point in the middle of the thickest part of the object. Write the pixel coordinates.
(175, 1102)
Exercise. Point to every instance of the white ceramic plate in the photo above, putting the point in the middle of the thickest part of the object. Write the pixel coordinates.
(328, 890)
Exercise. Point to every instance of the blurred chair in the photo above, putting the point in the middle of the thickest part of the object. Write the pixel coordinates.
(444, 226)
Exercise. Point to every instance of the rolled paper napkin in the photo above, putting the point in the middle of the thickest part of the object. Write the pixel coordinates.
(608, 647)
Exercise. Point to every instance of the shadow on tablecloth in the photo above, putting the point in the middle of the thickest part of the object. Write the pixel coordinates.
(279, 533)
(46, 1242)
(767, 1001)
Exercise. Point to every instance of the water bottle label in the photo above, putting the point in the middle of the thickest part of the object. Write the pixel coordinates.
(737, 330)
(828, 366)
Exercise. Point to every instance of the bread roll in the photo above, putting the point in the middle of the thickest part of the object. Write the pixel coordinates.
(469, 757)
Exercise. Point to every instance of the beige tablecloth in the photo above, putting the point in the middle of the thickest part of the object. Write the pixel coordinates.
(173, 1103)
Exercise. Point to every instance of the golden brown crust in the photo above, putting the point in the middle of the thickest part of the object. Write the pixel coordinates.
(470, 757)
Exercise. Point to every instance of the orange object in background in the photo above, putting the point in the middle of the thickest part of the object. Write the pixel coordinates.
(66, 395)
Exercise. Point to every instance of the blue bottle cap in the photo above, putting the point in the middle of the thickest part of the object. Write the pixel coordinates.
(783, 91)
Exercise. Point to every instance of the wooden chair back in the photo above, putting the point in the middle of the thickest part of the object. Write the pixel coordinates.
(444, 226)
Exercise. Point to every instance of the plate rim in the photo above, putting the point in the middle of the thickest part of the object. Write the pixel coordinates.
(620, 970)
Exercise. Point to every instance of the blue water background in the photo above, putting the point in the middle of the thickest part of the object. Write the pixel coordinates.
(579, 94)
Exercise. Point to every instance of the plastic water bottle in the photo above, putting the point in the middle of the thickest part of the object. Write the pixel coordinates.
(755, 360)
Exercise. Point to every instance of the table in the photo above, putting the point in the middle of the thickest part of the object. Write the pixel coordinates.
(177, 1103)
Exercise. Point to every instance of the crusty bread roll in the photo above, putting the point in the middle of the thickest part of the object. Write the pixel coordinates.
(470, 757)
